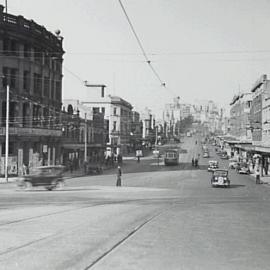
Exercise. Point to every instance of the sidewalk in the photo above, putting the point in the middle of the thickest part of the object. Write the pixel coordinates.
(264, 179)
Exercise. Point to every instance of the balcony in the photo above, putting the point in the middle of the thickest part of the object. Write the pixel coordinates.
(20, 131)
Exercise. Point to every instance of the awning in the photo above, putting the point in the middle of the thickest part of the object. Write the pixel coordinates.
(81, 146)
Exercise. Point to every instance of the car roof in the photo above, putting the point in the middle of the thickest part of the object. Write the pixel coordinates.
(220, 170)
(49, 167)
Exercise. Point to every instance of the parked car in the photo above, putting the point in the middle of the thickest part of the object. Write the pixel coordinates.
(206, 155)
(224, 156)
(220, 178)
(49, 177)
(213, 165)
(242, 168)
(233, 163)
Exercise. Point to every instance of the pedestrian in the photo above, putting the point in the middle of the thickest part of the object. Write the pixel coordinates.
(119, 174)
(257, 173)
(196, 162)
(192, 162)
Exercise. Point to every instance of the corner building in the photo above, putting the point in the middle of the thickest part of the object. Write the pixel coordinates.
(31, 65)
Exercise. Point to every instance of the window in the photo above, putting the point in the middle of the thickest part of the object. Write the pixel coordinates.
(5, 74)
(103, 110)
(46, 87)
(114, 111)
(26, 80)
(52, 89)
(26, 51)
(114, 125)
(13, 77)
(37, 84)
(102, 92)
(95, 109)
(58, 90)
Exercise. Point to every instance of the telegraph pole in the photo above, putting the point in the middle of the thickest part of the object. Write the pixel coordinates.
(7, 134)
(85, 139)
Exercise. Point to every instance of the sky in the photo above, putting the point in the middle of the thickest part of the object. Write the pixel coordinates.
(201, 49)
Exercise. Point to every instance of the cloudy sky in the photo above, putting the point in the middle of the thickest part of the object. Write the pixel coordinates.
(202, 49)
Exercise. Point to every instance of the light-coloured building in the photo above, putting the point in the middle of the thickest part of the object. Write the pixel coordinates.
(119, 114)
(240, 117)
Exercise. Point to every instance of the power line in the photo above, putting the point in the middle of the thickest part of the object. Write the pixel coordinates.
(141, 46)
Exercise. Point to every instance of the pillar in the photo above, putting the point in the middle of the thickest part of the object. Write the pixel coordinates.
(53, 156)
(20, 161)
(49, 156)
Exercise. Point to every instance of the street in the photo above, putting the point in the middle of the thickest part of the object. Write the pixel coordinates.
(161, 218)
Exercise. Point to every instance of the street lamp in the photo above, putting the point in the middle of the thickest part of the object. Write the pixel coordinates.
(7, 132)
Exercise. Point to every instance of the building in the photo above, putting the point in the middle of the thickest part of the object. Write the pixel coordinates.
(240, 117)
(31, 63)
(136, 131)
(82, 128)
(118, 113)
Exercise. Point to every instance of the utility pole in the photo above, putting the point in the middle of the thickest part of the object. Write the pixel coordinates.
(85, 139)
(7, 134)
(6, 6)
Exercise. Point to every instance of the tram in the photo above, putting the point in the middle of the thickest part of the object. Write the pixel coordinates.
(171, 157)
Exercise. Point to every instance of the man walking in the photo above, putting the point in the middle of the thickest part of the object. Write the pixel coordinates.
(257, 173)
(119, 174)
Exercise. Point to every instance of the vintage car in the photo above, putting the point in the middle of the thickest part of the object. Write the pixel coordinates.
(220, 178)
(49, 177)
(206, 155)
(224, 155)
(233, 163)
(213, 165)
(242, 168)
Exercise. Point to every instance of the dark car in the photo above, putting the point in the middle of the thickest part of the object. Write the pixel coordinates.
(49, 177)
(220, 178)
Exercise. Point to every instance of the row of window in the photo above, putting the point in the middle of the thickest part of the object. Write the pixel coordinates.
(51, 88)
(11, 47)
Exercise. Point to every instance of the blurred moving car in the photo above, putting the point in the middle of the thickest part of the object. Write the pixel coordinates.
(213, 165)
(220, 178)
(49, 177)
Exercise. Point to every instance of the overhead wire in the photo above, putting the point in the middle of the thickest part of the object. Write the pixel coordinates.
(148, 61)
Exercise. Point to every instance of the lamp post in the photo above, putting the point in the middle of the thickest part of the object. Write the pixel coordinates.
(7, 134)
(85, 138)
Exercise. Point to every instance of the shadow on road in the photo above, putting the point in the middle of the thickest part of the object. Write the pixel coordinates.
(236, 186)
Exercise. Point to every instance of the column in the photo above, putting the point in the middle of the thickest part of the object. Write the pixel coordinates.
(20, 161)
(53, 156)
(49, 156)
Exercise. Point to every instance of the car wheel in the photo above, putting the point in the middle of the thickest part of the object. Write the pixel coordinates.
(28, 185)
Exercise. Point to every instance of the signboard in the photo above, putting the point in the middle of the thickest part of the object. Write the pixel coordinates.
(139, 153)
(45, 148)
(12, 166)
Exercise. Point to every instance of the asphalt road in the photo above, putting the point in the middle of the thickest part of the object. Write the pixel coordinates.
(161, 218)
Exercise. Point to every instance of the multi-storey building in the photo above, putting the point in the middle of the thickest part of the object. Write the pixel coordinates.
(240, 116)
(136, 130)
(260, 92)
(82, 128)
(118, 113)
(31, 66)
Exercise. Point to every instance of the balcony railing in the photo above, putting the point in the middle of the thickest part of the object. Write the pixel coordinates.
(20, 131)
(28, 25)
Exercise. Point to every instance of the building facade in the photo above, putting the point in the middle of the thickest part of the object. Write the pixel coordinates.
(118, 114)
(31, 66)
